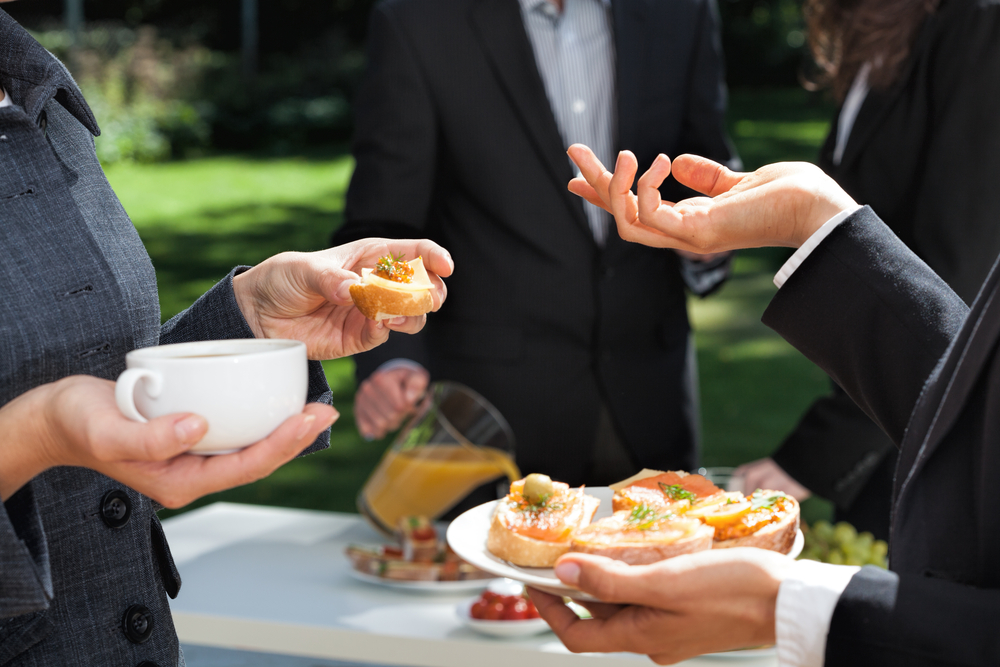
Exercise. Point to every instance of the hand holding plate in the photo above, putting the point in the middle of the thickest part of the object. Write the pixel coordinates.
(673, 609)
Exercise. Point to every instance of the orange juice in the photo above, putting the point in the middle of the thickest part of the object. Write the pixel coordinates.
(429, 480)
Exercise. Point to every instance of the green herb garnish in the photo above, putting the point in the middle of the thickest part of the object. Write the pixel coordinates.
(677, 492)
(644, 517)
(541, 505)
(759, 501)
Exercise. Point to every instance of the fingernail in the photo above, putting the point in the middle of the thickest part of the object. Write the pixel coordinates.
(367, 438)
(334, 417)
(412, 394)
(568, 573)
(190, 429)
(397, 320)
(618, 159)
(305, 426)
(380, 324)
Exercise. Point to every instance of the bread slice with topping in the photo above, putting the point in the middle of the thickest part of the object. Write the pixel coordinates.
(535, 523)
(643, 535)
(766, 520)
(677, 491)
(393, 289)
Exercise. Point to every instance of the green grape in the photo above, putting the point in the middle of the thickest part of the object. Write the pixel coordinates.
(880, 549)
(823, 531)
(835, 557)
(844, 533)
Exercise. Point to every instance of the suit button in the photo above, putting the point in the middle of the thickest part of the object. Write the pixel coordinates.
(115, 509)
(147, 663)
(137, 623)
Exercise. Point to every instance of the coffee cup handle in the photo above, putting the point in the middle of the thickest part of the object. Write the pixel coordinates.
(125, 390)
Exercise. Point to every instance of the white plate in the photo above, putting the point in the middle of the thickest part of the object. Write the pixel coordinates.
(440, 587)
(467, 536)
(525, 628)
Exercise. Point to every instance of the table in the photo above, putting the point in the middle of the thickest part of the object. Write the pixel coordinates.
(276, 580)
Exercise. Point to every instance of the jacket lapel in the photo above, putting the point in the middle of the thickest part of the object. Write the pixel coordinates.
(629, 21)
(500, 30)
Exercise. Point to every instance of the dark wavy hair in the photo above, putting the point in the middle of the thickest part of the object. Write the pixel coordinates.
(846, 34)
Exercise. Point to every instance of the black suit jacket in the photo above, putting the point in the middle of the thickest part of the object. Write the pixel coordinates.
(456, 141)
(925, 155)
(924, 367)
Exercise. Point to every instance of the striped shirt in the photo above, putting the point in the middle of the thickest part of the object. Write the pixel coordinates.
(575, 54)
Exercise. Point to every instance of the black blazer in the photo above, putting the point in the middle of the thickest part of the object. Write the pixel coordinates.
(924, 367)
(925, 155)
(456, 141)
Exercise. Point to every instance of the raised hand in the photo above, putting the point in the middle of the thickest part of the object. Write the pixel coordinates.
(76, 422)
(777, 205)
(306, 297)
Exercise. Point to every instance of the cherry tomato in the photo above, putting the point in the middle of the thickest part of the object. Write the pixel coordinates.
(494, 611)
(478, 609)
(532, 612)
(516, 612)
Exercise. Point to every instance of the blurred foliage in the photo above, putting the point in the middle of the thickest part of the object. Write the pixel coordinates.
(165, 77)
(764, 41)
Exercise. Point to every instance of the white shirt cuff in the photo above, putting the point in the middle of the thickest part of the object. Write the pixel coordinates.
(5, 102)
(806, 600)
(800, 255)
(399, 362)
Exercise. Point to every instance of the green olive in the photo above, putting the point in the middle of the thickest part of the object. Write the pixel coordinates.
(537, 488)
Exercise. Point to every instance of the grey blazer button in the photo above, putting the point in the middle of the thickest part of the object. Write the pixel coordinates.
(115, 509)
(137, 624)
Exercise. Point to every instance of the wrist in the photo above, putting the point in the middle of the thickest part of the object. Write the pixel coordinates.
(28, 442)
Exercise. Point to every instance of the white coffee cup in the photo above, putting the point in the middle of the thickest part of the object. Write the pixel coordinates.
(244, 388)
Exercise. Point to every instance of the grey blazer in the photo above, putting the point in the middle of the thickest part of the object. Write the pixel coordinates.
(84, 567)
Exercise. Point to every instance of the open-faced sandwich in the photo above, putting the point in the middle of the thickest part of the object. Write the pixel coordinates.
(393, 288)
(767, 520)
(643, 535)
(677, 491)
(535, 523)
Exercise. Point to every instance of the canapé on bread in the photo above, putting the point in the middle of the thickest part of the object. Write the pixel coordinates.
(405, 293)
(643, 535)
(533, 530)
(677, 491)
(767, 520)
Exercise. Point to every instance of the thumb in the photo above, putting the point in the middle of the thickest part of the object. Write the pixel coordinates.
(705, 176)
(607, 580)
(158, 439)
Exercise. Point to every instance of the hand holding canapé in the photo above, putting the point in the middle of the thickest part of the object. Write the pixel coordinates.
(777, 205)
(306, 296)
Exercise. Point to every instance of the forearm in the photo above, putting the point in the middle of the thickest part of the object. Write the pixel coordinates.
(904, 619)
(872, 315)
(26, 451)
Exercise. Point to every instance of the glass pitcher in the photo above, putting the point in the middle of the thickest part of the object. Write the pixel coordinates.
(454, 443)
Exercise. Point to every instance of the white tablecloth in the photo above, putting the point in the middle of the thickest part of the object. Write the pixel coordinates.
(276, 580)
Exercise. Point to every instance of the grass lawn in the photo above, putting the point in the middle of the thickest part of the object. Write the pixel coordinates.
(201, 217)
